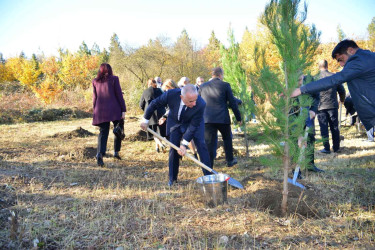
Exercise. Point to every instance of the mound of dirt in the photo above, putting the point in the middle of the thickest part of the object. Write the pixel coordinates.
(139, 136)
(79, 132)
(266, 194)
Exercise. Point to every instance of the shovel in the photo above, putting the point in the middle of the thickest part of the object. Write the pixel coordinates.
(231, 181)
(309, 124)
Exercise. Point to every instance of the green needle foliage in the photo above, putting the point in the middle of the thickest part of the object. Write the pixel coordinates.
(296, 44)
(236, 75)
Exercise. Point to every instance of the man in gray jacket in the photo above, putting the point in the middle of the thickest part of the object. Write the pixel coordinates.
(358, 72)
(328, 110)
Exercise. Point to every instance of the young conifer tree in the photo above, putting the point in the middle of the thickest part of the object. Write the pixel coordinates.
(296, 44)
(236, 76)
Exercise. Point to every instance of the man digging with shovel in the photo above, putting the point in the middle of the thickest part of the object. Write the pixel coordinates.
(185, 121)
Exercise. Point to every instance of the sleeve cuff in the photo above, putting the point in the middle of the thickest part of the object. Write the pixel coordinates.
(145, 120)
(303, 89)
(185, 142)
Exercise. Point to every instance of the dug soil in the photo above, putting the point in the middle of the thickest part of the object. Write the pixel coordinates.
(266, 194)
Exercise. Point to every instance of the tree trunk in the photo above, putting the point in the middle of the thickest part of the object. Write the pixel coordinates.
(286, 158)
(286, 161)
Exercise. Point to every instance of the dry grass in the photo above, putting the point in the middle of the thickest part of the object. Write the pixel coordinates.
(52, 191)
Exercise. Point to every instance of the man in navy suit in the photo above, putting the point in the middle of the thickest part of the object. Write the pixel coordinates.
(218, 96)
(358, 72)
(185, 121)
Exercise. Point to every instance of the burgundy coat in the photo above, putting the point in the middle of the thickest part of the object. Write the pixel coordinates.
(107, 100)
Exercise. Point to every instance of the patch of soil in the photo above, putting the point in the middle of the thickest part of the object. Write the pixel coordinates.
(89, 152)
(77, 153)
(139, 136)
(7, 199)
(266, 194)
(79, 132)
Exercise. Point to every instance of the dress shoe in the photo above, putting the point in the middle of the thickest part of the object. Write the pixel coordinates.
(324, 151)
(99, 160)
(117, 156)
(315, 169)
(232, 162)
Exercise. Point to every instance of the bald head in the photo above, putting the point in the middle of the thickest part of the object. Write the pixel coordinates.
(323, 64)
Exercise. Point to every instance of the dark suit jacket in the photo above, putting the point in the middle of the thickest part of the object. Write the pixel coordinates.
(328, 98)
(147, 97)
(108, 101)
(218, 96)
(359, 73)
(192, 121)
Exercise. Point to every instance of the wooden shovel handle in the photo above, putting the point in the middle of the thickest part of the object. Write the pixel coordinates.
(177, 148)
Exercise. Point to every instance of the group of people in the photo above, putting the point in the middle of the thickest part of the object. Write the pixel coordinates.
(195, 113)
(186, 113)
(359, 74)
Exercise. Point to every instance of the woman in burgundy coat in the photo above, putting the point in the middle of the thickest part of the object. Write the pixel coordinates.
(109, 106)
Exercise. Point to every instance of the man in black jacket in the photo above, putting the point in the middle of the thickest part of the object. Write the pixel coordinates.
(218, 96)
(328, 110)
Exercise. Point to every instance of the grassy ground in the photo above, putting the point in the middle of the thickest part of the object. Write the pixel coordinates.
(53, 196)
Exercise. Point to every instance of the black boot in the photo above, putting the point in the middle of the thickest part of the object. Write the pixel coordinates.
(99, 160)
(117, 156)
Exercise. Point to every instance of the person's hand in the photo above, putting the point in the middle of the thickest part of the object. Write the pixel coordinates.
(296, 92)
(144, 126)
(162, 120)
(182, 150)
(312, 114)
(123, 115)
(240, 123)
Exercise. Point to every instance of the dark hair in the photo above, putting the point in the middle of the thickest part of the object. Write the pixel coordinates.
(342, 47)
(104, 71)
(217, 71)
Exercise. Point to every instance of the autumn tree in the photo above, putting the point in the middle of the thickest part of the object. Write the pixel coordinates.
(50, 86)
(371, 34)
(212, 52)
(116, 54)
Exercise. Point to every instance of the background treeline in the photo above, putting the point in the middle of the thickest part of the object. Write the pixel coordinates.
(65, 80)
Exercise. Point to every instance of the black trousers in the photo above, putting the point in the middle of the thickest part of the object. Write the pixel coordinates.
(310, 147)
(329, 117)
(103, 138)
(210, 136)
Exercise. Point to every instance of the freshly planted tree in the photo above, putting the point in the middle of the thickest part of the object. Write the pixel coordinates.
(236, 75)
(296, 45)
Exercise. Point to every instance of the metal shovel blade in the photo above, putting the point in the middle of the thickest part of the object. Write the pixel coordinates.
(231, 181)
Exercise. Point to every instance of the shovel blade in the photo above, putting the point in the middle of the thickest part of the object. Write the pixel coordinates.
(235, 183)
(231, 181)
(295, 183)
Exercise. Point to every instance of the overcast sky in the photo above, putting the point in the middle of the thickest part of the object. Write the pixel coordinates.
(36, 26)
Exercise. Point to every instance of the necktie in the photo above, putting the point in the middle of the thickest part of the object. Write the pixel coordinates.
(182, 112)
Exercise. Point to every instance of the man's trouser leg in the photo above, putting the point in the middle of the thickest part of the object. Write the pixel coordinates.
(226, 134)
(323, 123)
(334, 127)
(210, 137)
